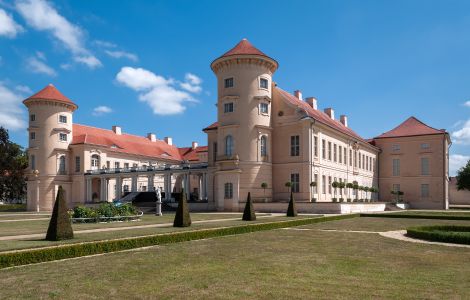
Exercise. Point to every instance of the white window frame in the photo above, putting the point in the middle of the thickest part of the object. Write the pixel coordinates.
(63, 116)
(264, 146)
(262, 79)
(265, 105)
(229, 107)
(61, 135)
(228, 190)
(228, 80)
(395, 167)
(229, 145)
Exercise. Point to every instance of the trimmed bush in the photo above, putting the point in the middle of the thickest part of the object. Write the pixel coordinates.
(349, 199)
(249, 212)
(416, 216)
(60, 227)
(182, 217)
(334, 200)
(12, 207)
(341, 200)
(441, 233)
(291, 209)
(30, 256)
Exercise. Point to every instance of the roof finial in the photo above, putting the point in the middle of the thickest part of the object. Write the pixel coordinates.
(50, 84)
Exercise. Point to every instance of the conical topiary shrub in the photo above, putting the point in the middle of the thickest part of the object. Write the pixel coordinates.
(60, 227)
(292, 210)
(249, 212)
(182, 217)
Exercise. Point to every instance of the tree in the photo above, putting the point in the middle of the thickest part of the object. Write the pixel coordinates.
(182, 217)
(356, 188)
(60, 227)
(463, 178)
(334, 185)
(366, 189)
(249, 212)
(341, 186)
(350, 186)
(288, 185)
(264, 186)
(291, 210)
(13, 162)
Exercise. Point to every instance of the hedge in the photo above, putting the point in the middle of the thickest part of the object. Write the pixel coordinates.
(441, 233)
(12, 207)
(30, 256)
(420, 216)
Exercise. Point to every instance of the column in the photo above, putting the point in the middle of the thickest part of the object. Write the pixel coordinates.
(188, 186)
(89, 189)
(200, 183)
(37, 194)
(118, 188)
(104, 189)
(204, 186)
(150, 184)
(168, 186)
(134, 184)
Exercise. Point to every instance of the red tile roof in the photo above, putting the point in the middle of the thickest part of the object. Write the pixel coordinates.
(188, 153)
(318, 115)
(125, 143)
(50, 92)
(212, 126)
(244, 47)
(411, 127)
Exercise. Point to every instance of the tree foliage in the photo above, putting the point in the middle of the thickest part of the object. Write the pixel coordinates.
(13, 162)
(463, 177)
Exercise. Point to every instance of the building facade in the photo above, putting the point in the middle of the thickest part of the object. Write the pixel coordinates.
(264, 137)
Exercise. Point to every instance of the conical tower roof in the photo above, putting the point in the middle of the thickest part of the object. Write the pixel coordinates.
(50, 92)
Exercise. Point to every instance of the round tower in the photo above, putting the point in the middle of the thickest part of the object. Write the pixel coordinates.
(50, 133)
(244, 84)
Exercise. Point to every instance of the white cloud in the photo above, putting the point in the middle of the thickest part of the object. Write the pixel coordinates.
(23, 89)
(8, 27)
(122, 54)
(158, 92)
(12, 114)
(456, 161)
(192, 83)
(36, 65)
(467, 104)
(462, 136)
(42, 16)
(104, 44)
(101, 110)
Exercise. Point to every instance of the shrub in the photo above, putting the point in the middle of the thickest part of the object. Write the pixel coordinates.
(291, 209)
(182, 217)
(60, 227)
(334, 199)
(30, 256)
(349, 200)
(415, 216)
(84, 212)
(445, 233)
(249, 212)
(341, 199)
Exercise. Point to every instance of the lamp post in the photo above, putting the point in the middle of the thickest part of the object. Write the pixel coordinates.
(36, 175)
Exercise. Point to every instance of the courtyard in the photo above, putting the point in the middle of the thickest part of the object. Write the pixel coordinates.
(335, 259)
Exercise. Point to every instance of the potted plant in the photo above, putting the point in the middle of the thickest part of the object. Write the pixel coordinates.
(349, 186)
(288, 185)
(335, 186)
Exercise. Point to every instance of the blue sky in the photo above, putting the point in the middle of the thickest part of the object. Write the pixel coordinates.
(144, 65)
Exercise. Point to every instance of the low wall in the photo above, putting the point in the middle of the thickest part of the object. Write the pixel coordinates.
(457, 197)
(320, 207)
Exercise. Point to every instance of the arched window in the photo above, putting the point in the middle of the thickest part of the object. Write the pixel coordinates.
(95, 161)
(228, 145)
(264, 146)
(62, 165)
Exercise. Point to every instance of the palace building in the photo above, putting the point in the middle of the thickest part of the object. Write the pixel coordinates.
(263, 138)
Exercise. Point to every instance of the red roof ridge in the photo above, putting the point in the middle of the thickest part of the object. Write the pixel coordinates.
(244, 47)
(411, 127)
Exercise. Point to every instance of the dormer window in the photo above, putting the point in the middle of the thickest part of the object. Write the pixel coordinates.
(228, 107)
(263, 83)
(228, 83)
(62, 119)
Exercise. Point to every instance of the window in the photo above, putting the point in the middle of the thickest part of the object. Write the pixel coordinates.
(264, 146)
(363, 161)
(315, 146)
(359, 160)
(424, 166)
(263, 107)
(126, 188)
(95, 162)
(263, 83)
(329, 150)
(396, 187)
(215, 152)
(323, 184)
(228, 190)
(355, 159)
(315, 176)
(62, 119)
(350, 157)
(63, 137)
(116, 165)
(228, 82)
(32, 117)
(77, 163)
(126, 165)
(228, 107)
(334, 153)
(33, 162)
(295, 145)
(395, 147)
(228, 145)
(294, 179)
(329, 184)
(340, 154)
(345, 158)
(396, 167)
(425, 146)
(32, 135)
(323, 149)
(62, 165)
(425, 190)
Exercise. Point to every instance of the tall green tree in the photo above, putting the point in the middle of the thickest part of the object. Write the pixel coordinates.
(13, 162)
(463, 177)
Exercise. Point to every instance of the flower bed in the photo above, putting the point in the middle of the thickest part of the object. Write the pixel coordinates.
(106, 212)
(441, 233)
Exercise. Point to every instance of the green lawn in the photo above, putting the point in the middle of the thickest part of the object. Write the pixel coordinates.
(280, 264)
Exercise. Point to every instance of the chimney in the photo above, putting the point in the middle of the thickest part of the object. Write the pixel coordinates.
(312, 101)
(117, 130)
(344, 120)
(298, 94)
(168, 140)
(152, 137)
(330, 112)
(194, 145)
